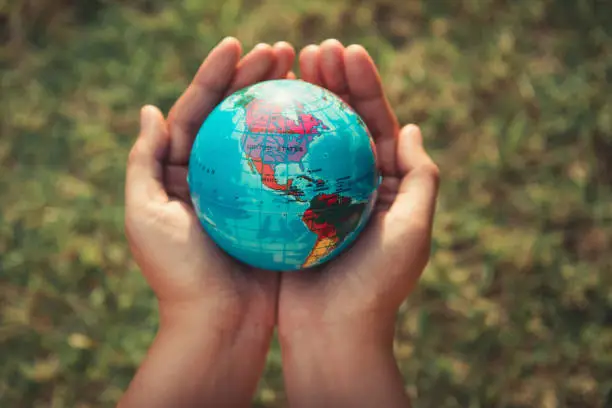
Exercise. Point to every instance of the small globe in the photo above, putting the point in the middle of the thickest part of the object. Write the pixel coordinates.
(283, 175)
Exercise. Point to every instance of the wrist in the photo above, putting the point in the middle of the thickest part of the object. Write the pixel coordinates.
(337, 342)
(214, 316)
(343, 364)
(225, 336)
(367, 329)
(200, 357)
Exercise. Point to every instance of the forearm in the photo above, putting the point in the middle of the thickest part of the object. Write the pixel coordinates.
(341, 368)
(200, 361)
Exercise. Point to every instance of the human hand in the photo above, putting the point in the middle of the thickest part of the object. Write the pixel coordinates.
(336, 322)
(218, 313)
(179, 261)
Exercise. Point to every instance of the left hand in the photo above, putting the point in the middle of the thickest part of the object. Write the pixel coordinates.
(216, 315)
(181, 264)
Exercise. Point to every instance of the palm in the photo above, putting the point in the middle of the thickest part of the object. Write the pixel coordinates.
(218, 77)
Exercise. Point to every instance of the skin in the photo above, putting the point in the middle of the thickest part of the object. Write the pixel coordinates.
(335, 322)
(216, 316)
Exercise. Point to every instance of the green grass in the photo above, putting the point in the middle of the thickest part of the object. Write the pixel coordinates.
(515, 309)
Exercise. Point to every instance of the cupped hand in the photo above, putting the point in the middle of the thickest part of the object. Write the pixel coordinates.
(180, 263)
(361, 290)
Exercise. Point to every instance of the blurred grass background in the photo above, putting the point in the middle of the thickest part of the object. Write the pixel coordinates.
(515, 309)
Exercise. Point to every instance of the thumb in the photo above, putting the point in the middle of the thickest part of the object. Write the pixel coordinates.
(144, 175)
(415, 203)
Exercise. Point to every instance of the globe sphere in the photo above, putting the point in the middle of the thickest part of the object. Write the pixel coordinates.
(283, 175)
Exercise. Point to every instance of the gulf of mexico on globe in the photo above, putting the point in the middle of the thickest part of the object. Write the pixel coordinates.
(283, 175)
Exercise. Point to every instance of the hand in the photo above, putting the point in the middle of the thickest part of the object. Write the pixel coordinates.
(336, 322)
(216, 313)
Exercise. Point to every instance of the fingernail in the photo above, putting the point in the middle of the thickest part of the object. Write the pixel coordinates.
(410, 128)
(412, 131)
(226, 42)
(356, 48)
(228, 39)
(332, 41)
(262, 45)
(145, 118)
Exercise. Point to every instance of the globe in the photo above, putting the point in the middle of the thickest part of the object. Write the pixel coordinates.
(283, 175)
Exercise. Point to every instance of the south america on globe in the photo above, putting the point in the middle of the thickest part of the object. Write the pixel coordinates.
(283, 175)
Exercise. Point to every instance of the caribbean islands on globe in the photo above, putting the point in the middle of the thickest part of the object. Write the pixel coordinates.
(283, 175)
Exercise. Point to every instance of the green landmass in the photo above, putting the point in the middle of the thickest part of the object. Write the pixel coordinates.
(515, 308)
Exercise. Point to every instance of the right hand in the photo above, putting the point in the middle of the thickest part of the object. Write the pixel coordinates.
(336, 321)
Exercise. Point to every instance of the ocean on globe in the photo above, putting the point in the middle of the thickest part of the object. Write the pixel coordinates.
(283, 175)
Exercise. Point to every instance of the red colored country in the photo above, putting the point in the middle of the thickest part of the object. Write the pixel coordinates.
(272, 139)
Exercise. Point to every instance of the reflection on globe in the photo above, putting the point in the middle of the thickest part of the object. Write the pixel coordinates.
(283, 175)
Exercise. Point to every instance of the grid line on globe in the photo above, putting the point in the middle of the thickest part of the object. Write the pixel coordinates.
(296, 155)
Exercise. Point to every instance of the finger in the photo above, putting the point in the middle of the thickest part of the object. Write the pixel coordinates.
(253, 67)
(175, 181)
(368, 99)
(332, 68)
(309, 64)
(201, 96)
(414, 205)
(144, 178)
(285, 57)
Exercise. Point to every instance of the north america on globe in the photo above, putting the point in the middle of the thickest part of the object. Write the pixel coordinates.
(283, 175)
(274, 139)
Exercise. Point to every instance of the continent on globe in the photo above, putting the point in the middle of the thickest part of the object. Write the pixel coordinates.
(331, 217)
(272, 138)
